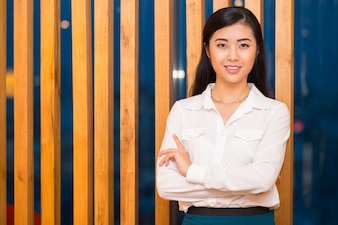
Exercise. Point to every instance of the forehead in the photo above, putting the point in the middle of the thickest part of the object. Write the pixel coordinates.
(234, 32)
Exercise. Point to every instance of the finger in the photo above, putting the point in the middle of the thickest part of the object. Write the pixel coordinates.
(164, 161)
(160, 163)
(177, 141)
(164, 152)
(167, 161)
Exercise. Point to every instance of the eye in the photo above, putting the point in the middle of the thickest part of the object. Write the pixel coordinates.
(244, 45)
(221, 45)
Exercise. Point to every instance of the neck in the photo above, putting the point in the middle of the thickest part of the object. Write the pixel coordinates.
(230, 94)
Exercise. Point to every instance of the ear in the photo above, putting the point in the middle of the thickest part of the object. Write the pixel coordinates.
(206, 48)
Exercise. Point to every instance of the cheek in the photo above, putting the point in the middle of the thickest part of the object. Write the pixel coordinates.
(217, 57)
(217, 64)
(250, 59)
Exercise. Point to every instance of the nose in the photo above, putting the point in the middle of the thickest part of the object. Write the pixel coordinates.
(233, 54)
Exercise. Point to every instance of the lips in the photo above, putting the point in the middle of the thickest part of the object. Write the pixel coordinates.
(232, 69)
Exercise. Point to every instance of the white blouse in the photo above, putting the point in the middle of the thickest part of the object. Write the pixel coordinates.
(233, 165)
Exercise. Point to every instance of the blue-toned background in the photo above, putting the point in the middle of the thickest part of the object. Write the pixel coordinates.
(316, 107)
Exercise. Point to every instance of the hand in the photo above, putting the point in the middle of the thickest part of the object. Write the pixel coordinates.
(179, 155)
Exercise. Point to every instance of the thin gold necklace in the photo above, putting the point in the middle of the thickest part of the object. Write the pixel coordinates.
(229, 103)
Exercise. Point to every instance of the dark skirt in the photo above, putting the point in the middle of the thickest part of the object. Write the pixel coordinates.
(262, 219)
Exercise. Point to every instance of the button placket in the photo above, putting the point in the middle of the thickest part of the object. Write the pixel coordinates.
(219, 146)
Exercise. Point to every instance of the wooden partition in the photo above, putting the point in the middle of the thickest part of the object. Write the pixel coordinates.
(129, 112)
(93, 99)
(284, 85)
(103, 113)
(82, 111)
(256, 6)
(50, 113)
(220, 4)
(3, 139)
(163, 85)
(23, 113)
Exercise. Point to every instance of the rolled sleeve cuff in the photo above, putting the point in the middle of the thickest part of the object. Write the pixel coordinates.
(196, 173)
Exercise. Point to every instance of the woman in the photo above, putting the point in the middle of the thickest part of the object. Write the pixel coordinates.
(224, 147)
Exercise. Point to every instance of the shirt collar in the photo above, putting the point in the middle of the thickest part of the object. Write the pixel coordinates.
(255, 100)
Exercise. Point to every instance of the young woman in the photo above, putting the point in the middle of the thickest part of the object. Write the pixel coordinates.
(224, 147)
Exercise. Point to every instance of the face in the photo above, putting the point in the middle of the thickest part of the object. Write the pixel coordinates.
(232, 51)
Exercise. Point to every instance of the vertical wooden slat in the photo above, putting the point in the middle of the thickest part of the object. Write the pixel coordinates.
(285, 92)
(3, 164)
(218, 4)
(23, 113)
(163, 86)
(256, 6)
(103, 113)
(50, 112)
(195, 18)
(82, 111)
(129, 112)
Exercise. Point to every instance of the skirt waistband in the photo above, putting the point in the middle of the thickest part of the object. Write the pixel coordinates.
(205, 211)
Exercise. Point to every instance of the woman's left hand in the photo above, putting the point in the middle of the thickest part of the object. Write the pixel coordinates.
(179, 155)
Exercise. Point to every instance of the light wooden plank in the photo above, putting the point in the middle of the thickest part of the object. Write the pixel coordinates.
(82, 112)
(50, 113)
(3, 129)
(103, 113)
(163, 86)
(218, 4)
(195, 19)
(23, 113)
(257, 7)
(285, 93)
(129, 112)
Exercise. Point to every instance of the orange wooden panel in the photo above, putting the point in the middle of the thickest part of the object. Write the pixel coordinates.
(257, 7)
(218, 4)
(285, 93)
(195, 19)
(50, 113)
(103, 113)
(129, 112)
(23, 113)
(3, 129)
(82, 111)
(163, 87)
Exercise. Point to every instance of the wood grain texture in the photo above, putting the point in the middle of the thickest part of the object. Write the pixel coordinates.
(257, 7)
(129, 112)
(50, 113)
(163, 87)
(195, 19)
(285, 92)
(103, 113)
(23, 113)
(82, 112)
(218, 4)
(3, 111)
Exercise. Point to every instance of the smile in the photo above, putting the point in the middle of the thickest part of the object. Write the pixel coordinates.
(232, 69)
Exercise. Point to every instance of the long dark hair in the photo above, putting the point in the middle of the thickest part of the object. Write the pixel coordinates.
(205, 74)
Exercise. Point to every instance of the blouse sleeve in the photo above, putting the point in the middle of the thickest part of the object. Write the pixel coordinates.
(170, 183)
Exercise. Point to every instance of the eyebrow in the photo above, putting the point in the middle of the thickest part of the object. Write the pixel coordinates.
(224, 39)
